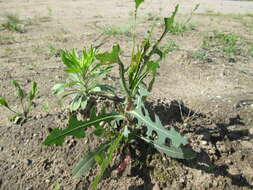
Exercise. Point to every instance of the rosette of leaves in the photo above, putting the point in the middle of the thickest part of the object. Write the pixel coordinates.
(129, 120)
(25, 99)
(83, 76)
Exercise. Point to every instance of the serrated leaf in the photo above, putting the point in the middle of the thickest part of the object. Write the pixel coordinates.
(88, 162)
(3, 102)
(143, 118)
(138, 3)
(76, 128)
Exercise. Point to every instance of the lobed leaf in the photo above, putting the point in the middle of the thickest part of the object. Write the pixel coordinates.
(163, 135)
(76, 128)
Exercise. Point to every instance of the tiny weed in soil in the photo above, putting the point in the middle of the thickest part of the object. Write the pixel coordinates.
(202, 55)
(116, 30)
(13, 23)
(126, 120)
(228, 45)
(179, 28)
(170, 46)
(25, 99)
(53, 51)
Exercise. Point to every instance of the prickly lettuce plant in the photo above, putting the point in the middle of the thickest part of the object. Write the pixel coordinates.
(84, 73)
(128, 120)
(26, 101)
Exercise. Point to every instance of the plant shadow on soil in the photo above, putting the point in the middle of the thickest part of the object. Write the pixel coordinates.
(174, 113)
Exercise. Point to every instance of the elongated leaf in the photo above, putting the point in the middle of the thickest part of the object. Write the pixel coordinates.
(71, 60)
(20, 91)
(113, 57)
(107, 88)
(76, 128)
(169, 21)
(88, 162)
(77, 102)
(114, 145)
(33, 91)
(59, 88)
(3, 102)
(138, 3)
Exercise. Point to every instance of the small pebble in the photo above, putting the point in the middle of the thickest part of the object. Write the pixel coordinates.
(59, 170)
(28, 162)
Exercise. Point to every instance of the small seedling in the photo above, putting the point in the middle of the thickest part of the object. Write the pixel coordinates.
(202, 55)
(179, 28)
(170, 47)
(13, 23)
(26, 102)
(53, 51)
(125, 121)
(116, 30)
(226, 43)
(84, 74)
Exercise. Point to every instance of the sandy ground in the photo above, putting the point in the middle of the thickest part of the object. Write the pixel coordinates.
(222, 90)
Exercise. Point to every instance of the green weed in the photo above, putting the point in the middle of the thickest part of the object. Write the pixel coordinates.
(46, 107)
(228, 43)
(84, 75)
(13, 23)
(170, 46)
(202, 55)
(25, 99)
(116, 30)
(179, 28)
(53, 51)
(126, 120)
